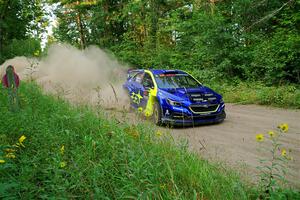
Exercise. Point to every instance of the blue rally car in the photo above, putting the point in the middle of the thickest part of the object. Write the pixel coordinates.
(173, 97)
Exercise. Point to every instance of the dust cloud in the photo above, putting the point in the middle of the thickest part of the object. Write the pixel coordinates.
(81, 76)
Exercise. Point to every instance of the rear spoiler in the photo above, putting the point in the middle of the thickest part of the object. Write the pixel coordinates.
(133, 72)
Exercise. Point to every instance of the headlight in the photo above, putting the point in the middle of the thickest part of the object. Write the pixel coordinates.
(173, 103)
(221, 101)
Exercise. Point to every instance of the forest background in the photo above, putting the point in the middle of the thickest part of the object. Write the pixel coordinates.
(247, 50)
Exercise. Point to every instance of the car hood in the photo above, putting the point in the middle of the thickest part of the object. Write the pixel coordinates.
(185, 93)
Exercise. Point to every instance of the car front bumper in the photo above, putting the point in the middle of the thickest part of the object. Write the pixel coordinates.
(183, 116)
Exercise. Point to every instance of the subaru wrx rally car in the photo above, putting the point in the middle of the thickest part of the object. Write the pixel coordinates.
(173, 96)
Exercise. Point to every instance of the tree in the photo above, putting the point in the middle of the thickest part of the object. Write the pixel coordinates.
(240, 40)
(19, 20)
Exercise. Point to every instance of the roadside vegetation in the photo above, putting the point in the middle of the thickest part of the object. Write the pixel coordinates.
(274, 168)
(246, 50)
(285, 96)
(50, 149)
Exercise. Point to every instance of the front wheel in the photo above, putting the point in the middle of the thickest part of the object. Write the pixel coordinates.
(157, 113)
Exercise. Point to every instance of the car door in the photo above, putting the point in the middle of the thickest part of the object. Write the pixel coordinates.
(135, 89)
(147, 84)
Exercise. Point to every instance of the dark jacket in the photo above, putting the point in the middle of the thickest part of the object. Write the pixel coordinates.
(5, 81)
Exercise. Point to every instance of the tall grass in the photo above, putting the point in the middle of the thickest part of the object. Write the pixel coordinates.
(72, 153)
(251, 92)
(256, 93)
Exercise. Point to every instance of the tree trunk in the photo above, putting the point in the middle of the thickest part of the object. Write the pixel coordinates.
(2, 16)
(154, 23)
(81, 32)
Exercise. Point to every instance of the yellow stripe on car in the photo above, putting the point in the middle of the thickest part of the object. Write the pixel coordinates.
(152, 97)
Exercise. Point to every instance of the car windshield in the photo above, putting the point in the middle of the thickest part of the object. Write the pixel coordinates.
(176, 81)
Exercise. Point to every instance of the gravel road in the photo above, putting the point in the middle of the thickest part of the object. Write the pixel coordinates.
(233, 141)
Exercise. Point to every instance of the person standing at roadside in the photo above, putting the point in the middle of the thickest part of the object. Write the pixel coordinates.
(11, 82)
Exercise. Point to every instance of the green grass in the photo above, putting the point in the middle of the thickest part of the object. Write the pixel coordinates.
(104, 159)
(256, 93)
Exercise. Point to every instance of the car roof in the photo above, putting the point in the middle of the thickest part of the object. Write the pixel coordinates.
(166, 71)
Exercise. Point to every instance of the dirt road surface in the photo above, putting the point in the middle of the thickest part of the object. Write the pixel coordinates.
(234, 143)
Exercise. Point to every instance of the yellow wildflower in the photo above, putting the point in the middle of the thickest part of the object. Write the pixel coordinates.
(9, 150)
(63, 164)
(283, 152)
(21, 139)
(284, 127)
(36, 53)
(10, 155)
(259, 137)
(2, 161)
(17, 145)
(158, 133)
(62, 149)
(162, 186)
(140, 109)
(271, 133)
(147, 113)
(290, 158)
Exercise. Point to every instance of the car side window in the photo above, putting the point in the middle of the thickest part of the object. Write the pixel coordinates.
(147, 81)
(138, 77)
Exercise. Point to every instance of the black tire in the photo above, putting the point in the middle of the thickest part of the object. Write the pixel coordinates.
(157, 114)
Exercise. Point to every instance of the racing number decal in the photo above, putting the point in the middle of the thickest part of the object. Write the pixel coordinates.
(136, 97)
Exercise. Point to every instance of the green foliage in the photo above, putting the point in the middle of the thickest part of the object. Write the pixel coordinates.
(273, 170)
(278, 57)
(257, 93)
(71, 153)
(247, 40)
(20, 20)
(250, 92)
(26, 47)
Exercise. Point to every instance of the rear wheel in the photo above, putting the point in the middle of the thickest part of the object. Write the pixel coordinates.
(157, 113)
